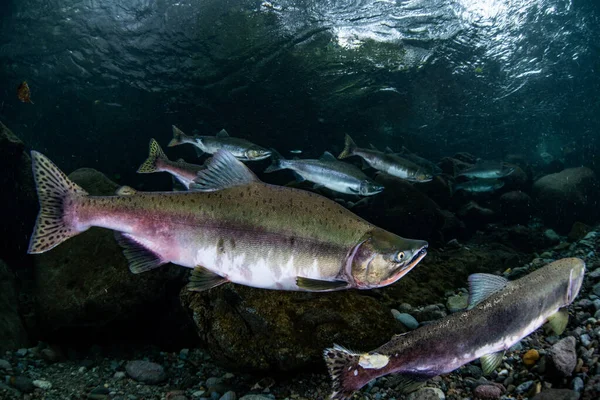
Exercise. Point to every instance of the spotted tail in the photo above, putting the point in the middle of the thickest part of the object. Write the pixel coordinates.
(55, 193)
(343, 368)
(155, 155)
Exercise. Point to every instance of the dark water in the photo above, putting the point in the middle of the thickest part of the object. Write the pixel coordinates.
(489, 77)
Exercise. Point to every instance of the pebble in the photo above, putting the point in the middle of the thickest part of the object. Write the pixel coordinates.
(21, 352)
(119, 375)
(487, 392)
(229, 396)
(524, 387)
(406, 319)
(426, 393)
(198, 393)
(5, 365)
(552, 235)
(145, 371)
(531, 357)
(586, 340)
(42, 384)
(457, 302)
(577, 384)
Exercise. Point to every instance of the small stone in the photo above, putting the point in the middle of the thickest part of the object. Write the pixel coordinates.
(21, 352)
(487, 392)
(457, 302)
(405, 308)
(564, 356)
(49, 355)
(212, 381)
(577, 384)
(228, 375)
(5, 365)
(119, 375)
(184, 353)
(145, 371)
(531, 357)
(516, 347)
(596, 289)
(586, 340)
(45, 385)
(524, 387)
(229, 396)
(23, 383)
(426, 393)
(552, 236)
(407, 320)
(556, 394)
(198, 393)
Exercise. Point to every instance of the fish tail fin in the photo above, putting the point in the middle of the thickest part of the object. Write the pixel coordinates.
(56, 192)
(277, 162)
(178, 137)
(343, 365)
(349, 148)
(155, 154)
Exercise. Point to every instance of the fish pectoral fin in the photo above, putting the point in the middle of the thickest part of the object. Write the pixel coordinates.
(204, 279)
(407, 384)
(139, 258)
(317, 285)
(558, 321)
(490, 362)
(482, 286)
(222, 133)
(222, 171)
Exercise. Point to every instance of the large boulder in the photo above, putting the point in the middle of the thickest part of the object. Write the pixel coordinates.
(259, 330)
(516, 207)
(568, 196)
(12, 332)
(84, 284)
(18, 204)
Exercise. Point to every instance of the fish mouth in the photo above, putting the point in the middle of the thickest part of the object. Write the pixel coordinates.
(405, 269)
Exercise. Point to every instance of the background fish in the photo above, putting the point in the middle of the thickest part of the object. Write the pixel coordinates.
(233, 228)
(329, 172)
(478, 186)
(157, 161)
(487, 170)
(388, 163)
(500, 314)
(241, 149)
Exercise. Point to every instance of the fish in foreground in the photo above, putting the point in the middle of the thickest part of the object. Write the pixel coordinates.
(478, 186)
(391, 164)
(158, 162)
(327, 171)
(500, 313)
(487, 170)
(240, 148)
(24, 93)
(231, 228)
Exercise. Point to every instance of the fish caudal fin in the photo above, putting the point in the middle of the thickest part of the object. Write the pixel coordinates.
(349, 147)
(276, 162)
(343, 366)
(178, 137)
(155, 154)
(55, 192)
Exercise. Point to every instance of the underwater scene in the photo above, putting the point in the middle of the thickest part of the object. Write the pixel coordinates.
(299, 199)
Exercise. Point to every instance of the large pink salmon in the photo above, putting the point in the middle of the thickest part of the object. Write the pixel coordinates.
(232, 227)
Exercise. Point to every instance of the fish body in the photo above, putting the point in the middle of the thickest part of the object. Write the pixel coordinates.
(422, 162)
(487, 170)
(327, 171)
(391, 164)
(231, 228)
(24, 93)
(500, 314)
(157, 161)
(242, 149)
(479, 185)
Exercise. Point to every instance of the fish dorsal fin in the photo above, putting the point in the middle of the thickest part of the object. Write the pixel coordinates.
(125, 191)
(490, 362)
(558, 321)
(389, 150)
(327, 156)
(222, 133)
(482, 286)
(222, 171)
(371, 146)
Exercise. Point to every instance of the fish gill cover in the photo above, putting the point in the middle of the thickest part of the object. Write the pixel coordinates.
(491, 77)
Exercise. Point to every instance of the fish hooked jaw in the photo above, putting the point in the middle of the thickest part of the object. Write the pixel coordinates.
(405, 269)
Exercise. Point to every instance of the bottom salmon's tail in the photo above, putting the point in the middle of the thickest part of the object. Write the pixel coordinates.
(155, 155)
(178, 137)
(277, 162)
(349, 148)
(345, 371)
(55, 192)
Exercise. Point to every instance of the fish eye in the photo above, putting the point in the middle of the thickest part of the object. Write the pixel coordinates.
(400, 256)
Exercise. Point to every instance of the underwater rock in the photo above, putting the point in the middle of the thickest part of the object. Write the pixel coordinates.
(556, 394)
(566, 197)
(259, 330)
(452, 227)
(426, 393)
(563, 357)
(457, 302)
(18, 202)
(85, 283)
(12, 332)
(516, 207)
(578, 231)
(145, 371)
(517, 180)
(487, 392)
(475, 216)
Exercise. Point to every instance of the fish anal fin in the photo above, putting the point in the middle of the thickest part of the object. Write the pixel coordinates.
(490, 362)
(482, 286)
(222, 133)
(558, 321)
(222, 171)
(317, 285)
(140, 258)
(203, 279)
